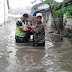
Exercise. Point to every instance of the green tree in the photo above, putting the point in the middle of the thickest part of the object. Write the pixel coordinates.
(58, 18)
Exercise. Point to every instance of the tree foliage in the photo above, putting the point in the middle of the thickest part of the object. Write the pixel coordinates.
(59, 9)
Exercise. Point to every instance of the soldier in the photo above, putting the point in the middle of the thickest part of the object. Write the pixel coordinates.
(39, 36)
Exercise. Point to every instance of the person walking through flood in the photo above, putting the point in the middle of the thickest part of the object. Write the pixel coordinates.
(22, 29)
(39, 36)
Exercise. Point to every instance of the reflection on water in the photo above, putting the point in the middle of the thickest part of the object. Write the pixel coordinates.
(11, 59)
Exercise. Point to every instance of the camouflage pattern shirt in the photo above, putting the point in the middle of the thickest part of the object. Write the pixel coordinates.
(39, 36)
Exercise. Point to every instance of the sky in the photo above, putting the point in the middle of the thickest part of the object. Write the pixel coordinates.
(24, 3)
(21, 3)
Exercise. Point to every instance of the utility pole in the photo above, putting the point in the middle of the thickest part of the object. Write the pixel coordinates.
(8, 4)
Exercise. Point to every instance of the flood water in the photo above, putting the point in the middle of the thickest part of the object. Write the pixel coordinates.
(16, 57)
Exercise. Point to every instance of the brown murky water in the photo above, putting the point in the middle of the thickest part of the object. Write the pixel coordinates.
(54, 57)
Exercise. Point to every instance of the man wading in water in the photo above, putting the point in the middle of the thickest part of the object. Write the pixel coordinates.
(39, 36)
(22, 29)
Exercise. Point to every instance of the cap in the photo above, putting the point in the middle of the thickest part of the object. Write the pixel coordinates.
(25, 15)
(39, 14)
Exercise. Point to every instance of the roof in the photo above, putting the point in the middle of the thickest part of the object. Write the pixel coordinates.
(42, 11)
(39, 5)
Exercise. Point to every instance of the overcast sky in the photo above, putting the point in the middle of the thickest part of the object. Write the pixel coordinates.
(24, 3)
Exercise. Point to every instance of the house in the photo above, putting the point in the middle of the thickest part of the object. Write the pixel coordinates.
(41, 8)
(47, 17)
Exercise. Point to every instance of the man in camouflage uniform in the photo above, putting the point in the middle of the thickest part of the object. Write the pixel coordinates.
(39, 36)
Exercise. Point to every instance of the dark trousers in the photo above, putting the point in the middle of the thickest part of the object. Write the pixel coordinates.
(21, 39)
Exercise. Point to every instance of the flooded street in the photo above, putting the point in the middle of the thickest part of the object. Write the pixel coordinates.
(16, 57)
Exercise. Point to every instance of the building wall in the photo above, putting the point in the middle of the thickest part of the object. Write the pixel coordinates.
(50, 19)
(67, 21)
(3, 11)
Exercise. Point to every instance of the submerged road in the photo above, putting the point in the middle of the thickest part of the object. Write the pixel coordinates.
(14, 57)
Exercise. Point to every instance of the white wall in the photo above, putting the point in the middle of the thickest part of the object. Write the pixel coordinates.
(6, 11)
(50, 20)
(3, 11)
(67, 21)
